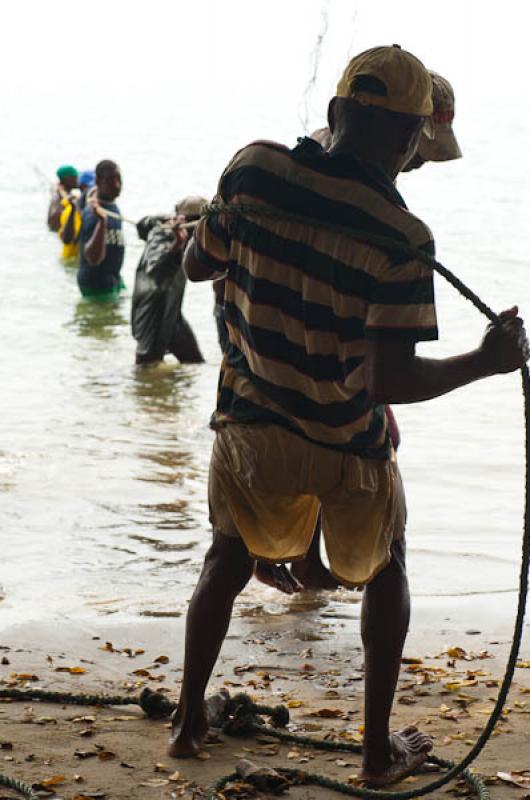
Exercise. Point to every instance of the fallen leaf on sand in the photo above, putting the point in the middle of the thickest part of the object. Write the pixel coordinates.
(154, 783)
(203, 755)
(455, 686)
(411, 660)
(85, 753)
(328, 713)
(55, 780)
(162, 660)
(175, 776)
(106, 755)
(521, 778)
(456, 652)
(407, 700)
(523, 664)
(71, 670)
(24, 676)
(295, 703)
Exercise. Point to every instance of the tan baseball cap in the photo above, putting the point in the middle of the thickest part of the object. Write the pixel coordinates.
(191, 206)
(442, 145)
(401, 82)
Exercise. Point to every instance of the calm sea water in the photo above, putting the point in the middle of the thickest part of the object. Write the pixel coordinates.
(103, 468)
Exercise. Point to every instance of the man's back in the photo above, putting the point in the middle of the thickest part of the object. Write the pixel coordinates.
(301, 299)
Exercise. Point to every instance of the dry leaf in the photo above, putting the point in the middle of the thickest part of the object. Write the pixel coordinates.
(106, 755)
(71, 670)
(455, 686)
(161, 660)
(411, 660)
(521, 779)
(295, 703)
(328, 713)
(407, 700)
(154, 783)
(456, 652)
(55, 780)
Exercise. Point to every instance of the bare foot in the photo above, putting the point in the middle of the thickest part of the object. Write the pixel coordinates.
(190, 730)
(277, 576)
(408, 750)
(312, 574)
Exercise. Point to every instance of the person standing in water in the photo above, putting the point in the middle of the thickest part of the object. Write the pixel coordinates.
(157, 321)
(101, 244)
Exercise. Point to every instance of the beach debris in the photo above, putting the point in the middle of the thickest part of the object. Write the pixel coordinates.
(24, 677)
(154, 783)
(106, 755)
(328, 713)
(519, 778)
(71, 670)
(523, 664)
(407, 700)
(263, 778)
(82, 754)
(48, 784)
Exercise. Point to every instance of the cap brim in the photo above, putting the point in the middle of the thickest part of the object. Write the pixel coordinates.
(444, 146)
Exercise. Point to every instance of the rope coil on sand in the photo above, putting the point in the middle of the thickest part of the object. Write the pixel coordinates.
(242, 713)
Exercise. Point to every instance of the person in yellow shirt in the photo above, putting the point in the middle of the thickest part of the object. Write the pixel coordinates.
(70, 217)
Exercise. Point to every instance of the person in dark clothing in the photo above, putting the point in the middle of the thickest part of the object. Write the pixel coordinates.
(102, 248)
(157, 322)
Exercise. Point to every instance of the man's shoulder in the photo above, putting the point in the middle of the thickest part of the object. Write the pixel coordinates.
(416, 231)
(258, 153)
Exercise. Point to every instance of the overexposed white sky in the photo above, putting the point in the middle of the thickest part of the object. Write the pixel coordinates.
(227, 51)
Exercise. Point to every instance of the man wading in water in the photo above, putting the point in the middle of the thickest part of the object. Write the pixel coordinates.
(322, 333)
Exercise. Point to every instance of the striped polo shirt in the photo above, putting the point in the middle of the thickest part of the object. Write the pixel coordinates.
(301, 300)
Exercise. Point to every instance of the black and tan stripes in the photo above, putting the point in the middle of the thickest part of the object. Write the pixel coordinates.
(301, 300)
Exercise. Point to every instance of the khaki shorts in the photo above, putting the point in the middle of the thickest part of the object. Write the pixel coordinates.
(267, 486)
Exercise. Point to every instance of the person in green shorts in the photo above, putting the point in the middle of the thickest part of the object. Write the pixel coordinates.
(101, 245)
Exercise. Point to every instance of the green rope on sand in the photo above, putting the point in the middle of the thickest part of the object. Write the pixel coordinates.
(302, 778)
(18, 786)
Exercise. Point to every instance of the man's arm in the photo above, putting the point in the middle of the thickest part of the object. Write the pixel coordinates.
(196, 270)
(163, 251)
(68, 232)
(395, 374)
(54, 212)
(96, 247)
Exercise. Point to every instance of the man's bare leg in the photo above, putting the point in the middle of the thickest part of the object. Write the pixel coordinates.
(310, 571)
(226, 571)
(384, 623)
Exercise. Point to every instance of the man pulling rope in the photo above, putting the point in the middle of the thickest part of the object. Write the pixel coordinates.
(322, 333)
